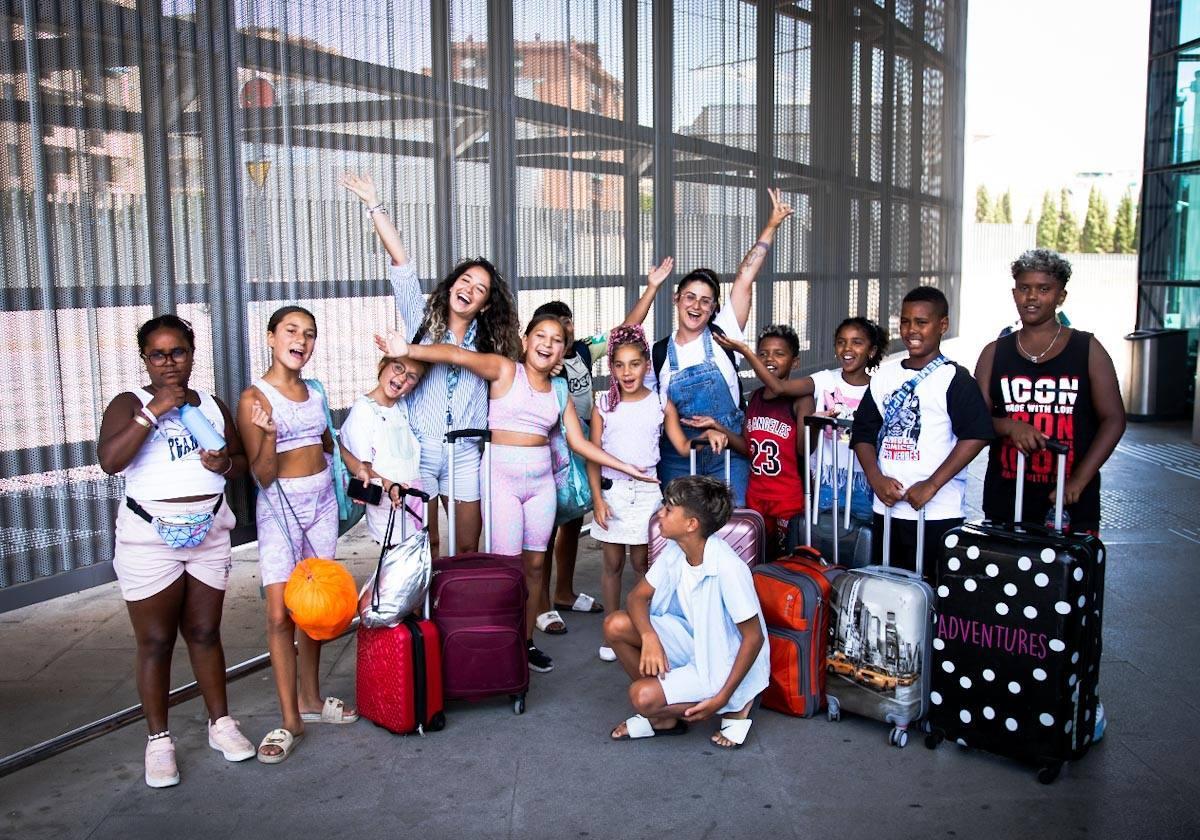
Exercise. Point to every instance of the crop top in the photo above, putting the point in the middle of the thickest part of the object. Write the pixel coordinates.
(297, 424)
(523, 409)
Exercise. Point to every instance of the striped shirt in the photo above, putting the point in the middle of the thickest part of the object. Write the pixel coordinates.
(427, 403)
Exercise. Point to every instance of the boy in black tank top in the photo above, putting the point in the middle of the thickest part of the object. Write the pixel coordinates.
(1045, 382)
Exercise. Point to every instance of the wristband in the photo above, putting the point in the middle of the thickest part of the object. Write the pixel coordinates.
(150, 415)
(143, 422)
(766, 246)
(225, 471)
(378, 208)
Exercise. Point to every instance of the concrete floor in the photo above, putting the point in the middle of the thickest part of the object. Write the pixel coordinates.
(553, 773)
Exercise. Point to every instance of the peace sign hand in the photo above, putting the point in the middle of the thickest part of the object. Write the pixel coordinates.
(780, 209)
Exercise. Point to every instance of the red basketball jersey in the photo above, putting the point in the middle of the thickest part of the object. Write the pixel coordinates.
(772, 432)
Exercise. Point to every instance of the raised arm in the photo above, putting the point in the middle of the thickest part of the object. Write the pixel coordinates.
(654, 281)
(363, 187)
(743, 282)
(490, 366)
(774, 385)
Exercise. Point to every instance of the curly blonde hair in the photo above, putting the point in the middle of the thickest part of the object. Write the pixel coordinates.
(498, 328)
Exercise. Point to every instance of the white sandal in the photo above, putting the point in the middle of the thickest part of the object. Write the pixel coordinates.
(639, 726)
(334, 712)
(734, 730)
(549, 618)
(281, 738)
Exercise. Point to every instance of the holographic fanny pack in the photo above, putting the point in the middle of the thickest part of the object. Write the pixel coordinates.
(179, 530)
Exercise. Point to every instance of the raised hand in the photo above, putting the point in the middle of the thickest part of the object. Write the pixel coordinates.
(780, 209)
(260, 418)
(733, 344)
(660, 273)
(362, 186)
(394, 344)
(699, 422)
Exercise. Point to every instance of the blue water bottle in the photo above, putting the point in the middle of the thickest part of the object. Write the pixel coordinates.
(195, 422)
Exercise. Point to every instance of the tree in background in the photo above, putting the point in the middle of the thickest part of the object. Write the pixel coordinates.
(983, 205)
(1097, 235)
(1067, 239)
(1047, 224)
(1029, 217)
(1002, 212)
(1123, 241)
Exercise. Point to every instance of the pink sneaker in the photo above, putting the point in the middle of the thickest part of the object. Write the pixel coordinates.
(224, 736)
(161, 770)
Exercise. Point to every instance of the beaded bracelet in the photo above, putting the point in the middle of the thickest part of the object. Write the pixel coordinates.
(378, 208)
(166, 733)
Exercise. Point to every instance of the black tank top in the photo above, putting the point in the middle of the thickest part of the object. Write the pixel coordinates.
(1054, 397)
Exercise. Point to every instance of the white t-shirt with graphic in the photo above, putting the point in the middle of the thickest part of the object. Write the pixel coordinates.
(946, 406)
(832, 392)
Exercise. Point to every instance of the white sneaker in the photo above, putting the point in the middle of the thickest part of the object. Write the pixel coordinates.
(607, 654)
(225, 737)
(161, 770)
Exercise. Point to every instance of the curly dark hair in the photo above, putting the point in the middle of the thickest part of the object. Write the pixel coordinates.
(166, 322)
(785, 334)
(1042, 260)
(709, 278)
(876, 334)
(498, 331)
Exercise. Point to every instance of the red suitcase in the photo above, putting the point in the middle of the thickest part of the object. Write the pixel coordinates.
(399, 671)
(479, 608)
(746, 532)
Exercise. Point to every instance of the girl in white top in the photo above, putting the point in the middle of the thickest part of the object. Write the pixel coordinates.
(173, 576)
(377, 432)
(859, 344)
(627, 423)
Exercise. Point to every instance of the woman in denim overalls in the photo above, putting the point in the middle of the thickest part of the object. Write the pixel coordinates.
(700, 379)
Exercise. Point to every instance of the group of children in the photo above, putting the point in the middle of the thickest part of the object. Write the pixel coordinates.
(691, 637)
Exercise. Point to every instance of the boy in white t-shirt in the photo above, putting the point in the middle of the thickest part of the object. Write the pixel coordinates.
(693, 639)
(916, 430)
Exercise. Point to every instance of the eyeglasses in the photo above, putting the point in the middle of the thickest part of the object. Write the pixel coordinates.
(690, 299)
(158, 358)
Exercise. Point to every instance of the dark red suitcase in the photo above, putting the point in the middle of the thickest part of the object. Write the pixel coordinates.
(478, 602)
(745, 532)
(399, 671)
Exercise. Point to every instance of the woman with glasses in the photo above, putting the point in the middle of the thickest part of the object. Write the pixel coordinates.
(471, 308)
(172, 555)
(690, 369)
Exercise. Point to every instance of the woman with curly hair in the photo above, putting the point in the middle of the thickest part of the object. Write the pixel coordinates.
(471, 308)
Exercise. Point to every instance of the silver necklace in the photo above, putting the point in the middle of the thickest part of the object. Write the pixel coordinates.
(1036, 358)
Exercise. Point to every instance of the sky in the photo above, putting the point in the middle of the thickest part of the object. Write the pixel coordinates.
(1055, 88)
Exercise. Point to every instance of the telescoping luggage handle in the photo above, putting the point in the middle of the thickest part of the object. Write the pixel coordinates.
(1060, 451)
(485, 485)
(387, 536)
(702, 443)
(887, 539)
(811, 492)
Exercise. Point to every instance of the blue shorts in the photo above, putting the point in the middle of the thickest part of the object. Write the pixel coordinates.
(435, 468)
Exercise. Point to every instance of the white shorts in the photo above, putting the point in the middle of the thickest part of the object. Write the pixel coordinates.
(631, 505)
(435, 468)
(681, 684)
(145, 565)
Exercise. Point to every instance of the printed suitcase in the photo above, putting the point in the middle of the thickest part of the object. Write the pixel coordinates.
(745, 532)
(882, 630)
(1016, 660)
(848, 542)
(399, 669)
(794, 593)
(479, 608)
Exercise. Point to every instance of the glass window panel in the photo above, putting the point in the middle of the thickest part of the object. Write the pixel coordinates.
(932, 131)
(715, 71)
(793, 98)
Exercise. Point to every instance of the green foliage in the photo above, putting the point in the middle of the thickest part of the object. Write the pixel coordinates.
(1029, 217)
(1097, 236)
(1002, 212)
(983, 205)
(1067, 239)
(1123, 241)
(1047, 224)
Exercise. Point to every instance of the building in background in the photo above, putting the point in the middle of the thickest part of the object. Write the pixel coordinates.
(184, 157)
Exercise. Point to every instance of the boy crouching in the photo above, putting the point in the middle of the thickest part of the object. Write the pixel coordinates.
(693, 638)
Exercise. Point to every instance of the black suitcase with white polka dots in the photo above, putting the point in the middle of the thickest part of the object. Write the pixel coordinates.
(1016, 652)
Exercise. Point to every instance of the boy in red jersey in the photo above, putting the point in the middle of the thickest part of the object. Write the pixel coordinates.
(771, 436)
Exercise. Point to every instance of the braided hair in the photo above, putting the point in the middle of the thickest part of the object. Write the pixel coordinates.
(620, 336)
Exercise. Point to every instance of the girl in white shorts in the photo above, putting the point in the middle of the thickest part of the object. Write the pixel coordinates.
(627, 423)
(172, 553)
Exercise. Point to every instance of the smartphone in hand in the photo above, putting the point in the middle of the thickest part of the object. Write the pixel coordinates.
(368, 493)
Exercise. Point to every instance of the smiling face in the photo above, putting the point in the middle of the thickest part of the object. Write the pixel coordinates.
(1037, 296)
(470, 292)
(629, 368)
(853, 348)
(399, 377)
(921, 329)
(293, 340)
(776, 355)
(168, 358)
(544, 344)
(695, 304)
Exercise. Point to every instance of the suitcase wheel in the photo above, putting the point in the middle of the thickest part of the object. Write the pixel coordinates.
(898, 737)
(1046, 775)
(437, 723)
(933, 740)
(518, 704)
(834, 712)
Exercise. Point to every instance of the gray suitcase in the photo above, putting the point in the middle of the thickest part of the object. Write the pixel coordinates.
(881, 635)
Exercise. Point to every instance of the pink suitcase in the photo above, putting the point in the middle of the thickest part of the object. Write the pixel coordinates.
(746, 532)
(478, 601)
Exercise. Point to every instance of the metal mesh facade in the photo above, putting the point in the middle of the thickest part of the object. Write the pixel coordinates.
(184, 156)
